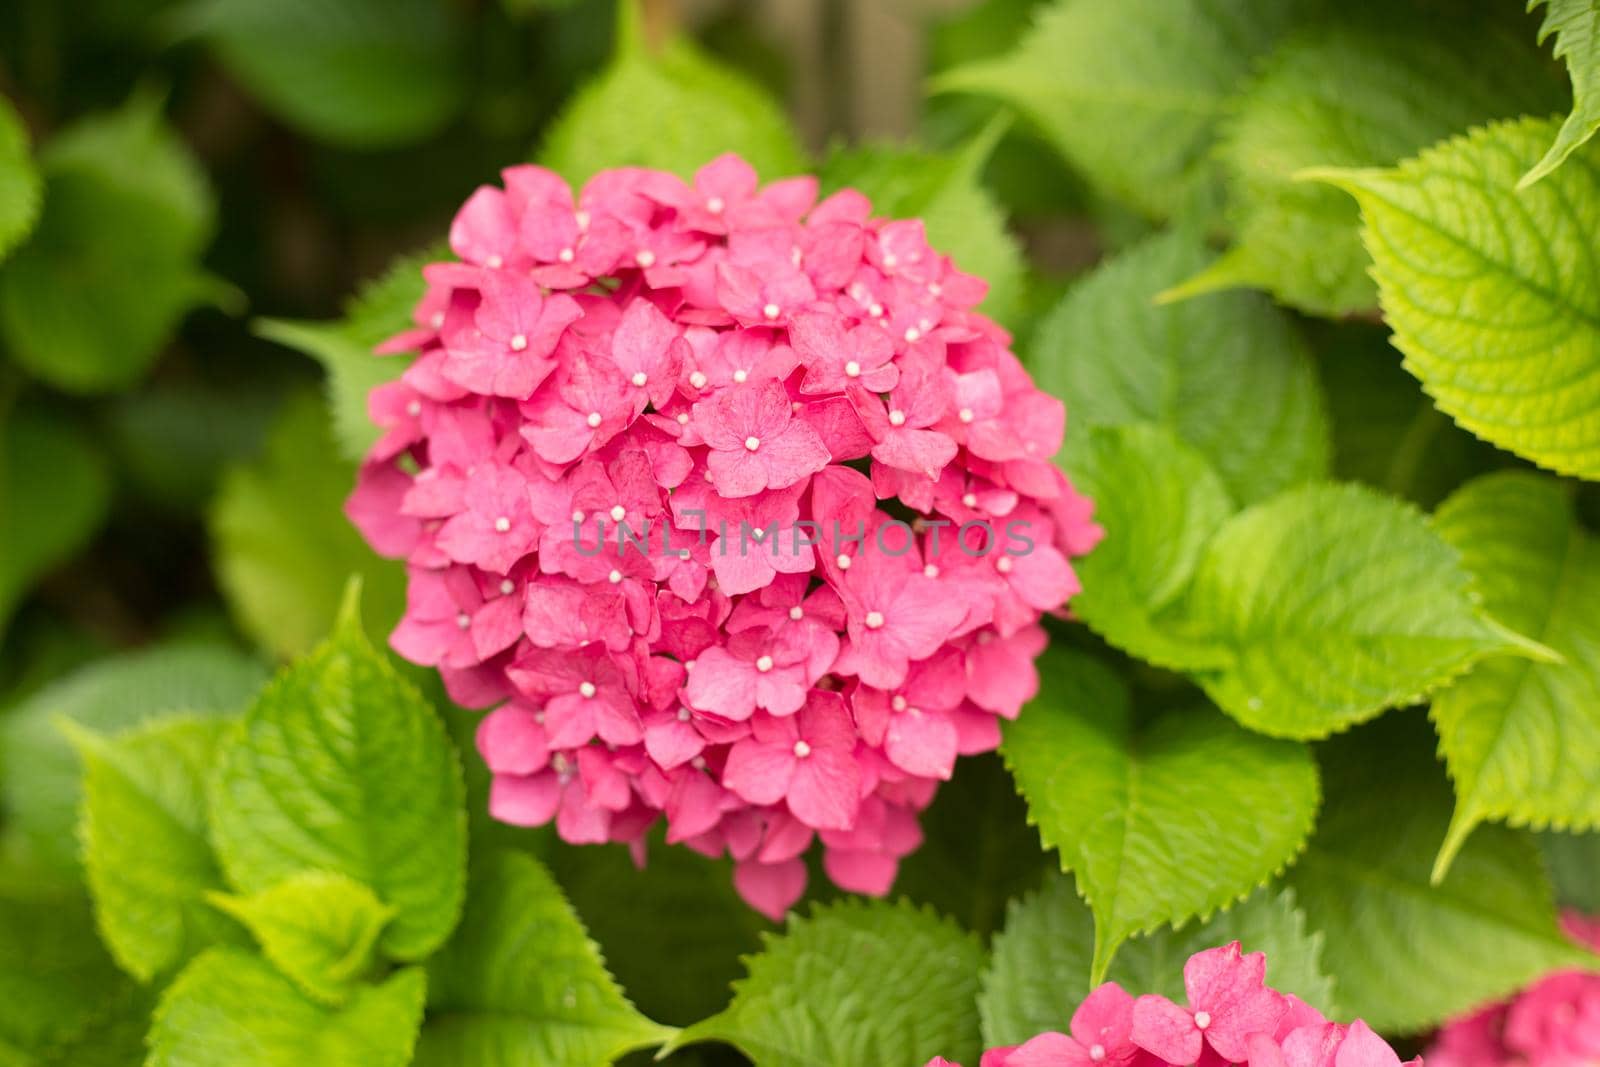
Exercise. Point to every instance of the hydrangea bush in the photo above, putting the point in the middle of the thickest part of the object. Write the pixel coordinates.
(724, 594)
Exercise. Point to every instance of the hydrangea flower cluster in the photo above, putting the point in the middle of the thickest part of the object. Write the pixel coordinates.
(729, 504)
(1232, 1016)
(1553, 1023)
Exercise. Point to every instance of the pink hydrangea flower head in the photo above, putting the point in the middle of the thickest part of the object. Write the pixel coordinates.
(1233, 1018)
(733, 511)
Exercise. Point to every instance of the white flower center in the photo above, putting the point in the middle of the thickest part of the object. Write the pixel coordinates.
(764, 664)
(913, 335)
(741, 376)
(1097, 1052)
(801, 749)
(874, 620)
(587, 689)
(507, 587)
(752, 443)
(875, 310)
(639, 378)
(502, 525)
(593, 420)
(1004, 565)
(1202, 1019)
(578, 516)
(965, 415)
(715, 205)
(852, 369)
(464, 621)
(683, 418)
(684, 714)
(436, 320)
(519, 342)
(582, 219)
(969, 499)
(565, 255)
(842, 561)
(898, 703)
(645, 258)
(414, 408)
(494, 263)
(698, 380)
(796, 613)
(897, 417)
(931, 570)
(618, 512)
(772, 311)
(614, 577)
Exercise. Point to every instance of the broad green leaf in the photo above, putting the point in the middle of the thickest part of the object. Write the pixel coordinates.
(977, 851)
(1336, 602)
(947, 194)
(171, 440)
(59, 991)
(231, 1007)
(1408, 954)
(521, 983)
(124, 200)
(283, 547)
(1229, 374)
(1574, 862)
(855, 982)
(345, 347)
(1351, 96)
(143, 829)
(319, 928)
(1131, 93)
(710, 930)
(1522, 739)
(1575, 24)
(1159, 821)
(39, 772)
(362, 73)
(20, 191)
(674, 109)
(342, 766)
(1038, 971)
(1492, 293)
(1160, 504)
(54, 493)
(1386, 432)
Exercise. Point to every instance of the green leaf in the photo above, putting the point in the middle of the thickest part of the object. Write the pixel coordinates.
(144, 838)
(521, 982)
(1160, 821)
(345, 348)
(1408, 954)
(672, 108)
(710, 930)
(342, 766)
(362, 73)
(124, 199)
(1038, 972)
(60, 994)
(1575, 24)
(317, 927)
(1386, 432)
(1337, 602)
(231, 1007)
(1574, 862)
(54, 494)
(855, 982)
(1351, 96)
(1160, 504)
(1522, 739)
(947, 194)
(20, 187)
(1229, 374)
(1131, 93)
(283, 546)
(39, 772)
(1492, 294)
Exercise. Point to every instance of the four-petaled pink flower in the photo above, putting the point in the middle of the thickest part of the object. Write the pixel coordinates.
(756, 442)
(1228, 1001)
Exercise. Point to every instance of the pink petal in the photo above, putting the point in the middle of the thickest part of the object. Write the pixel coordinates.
(1162, 1028)
(770, 888)
(529, 801)
(759, 772)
